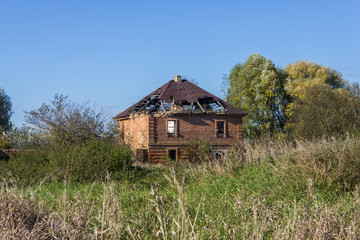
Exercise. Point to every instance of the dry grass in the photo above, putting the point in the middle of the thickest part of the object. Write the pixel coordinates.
(20, 218)
(212, 200)
(324, 161)
(23, 217)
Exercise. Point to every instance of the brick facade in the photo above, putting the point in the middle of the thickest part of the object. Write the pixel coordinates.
(163, 123)
(135, 131)
(148, 134)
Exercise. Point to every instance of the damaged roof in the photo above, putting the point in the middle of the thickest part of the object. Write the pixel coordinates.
(183, 95)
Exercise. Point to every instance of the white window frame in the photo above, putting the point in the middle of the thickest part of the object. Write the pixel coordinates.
(171, 130)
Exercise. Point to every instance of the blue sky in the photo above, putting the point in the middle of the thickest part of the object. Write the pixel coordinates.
(113, 53)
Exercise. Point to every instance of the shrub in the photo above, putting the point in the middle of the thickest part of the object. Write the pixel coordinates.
(87, 162)
(199, 150)
(65, 121)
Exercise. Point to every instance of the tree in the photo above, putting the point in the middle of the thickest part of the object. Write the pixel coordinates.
(323, 111)
(67, 122)
(5, 110)
(258, 88)
(303, 75)
(22, 137)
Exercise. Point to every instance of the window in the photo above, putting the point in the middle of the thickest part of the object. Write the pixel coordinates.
(171, 127)
(220, 128)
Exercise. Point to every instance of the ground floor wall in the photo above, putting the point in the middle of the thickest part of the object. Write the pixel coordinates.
(177, 153)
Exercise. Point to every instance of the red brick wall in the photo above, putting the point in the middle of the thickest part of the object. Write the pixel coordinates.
(195, 126)
(189, 127)
(135, 131)
(150, 132)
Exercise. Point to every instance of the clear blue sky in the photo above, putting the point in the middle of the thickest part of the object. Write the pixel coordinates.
(115, 52)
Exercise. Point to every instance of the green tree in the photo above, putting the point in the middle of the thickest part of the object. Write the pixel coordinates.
(5, 110)
(258, 88)
(68, 122)
(323, 111)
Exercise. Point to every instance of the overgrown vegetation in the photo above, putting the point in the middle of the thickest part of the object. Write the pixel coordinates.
(199, 150)
(87, 162)
(276, 189)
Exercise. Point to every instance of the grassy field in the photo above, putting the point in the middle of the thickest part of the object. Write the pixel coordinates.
(275, 190)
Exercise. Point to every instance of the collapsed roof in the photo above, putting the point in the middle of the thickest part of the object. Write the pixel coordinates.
(180, 97)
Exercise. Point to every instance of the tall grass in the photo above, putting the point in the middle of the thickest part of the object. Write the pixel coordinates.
(273, 190)
(327, 163)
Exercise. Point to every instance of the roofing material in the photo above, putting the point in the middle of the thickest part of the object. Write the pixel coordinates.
(183, 91)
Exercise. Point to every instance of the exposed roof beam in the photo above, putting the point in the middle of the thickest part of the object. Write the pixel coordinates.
(145, 105)
(163, 107)
(218, 102)
(200, 106)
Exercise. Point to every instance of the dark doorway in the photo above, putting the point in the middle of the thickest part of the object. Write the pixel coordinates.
(172, 154)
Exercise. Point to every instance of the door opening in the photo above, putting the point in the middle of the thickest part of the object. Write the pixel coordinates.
(172, 154)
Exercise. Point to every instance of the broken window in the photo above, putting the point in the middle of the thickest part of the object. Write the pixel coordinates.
(171, 127)
(220, 128)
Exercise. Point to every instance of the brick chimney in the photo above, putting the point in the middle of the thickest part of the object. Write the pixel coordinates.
(177, 78)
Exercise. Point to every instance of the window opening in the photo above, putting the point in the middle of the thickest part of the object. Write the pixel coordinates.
(220, 127)
(171, 127)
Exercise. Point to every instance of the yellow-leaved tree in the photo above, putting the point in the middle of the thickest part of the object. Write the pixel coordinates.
(303, 75)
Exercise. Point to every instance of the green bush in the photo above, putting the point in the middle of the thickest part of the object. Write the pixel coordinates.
(87, 162)
(199, 150)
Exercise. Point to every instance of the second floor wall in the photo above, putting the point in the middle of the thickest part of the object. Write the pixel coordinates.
(144, 130)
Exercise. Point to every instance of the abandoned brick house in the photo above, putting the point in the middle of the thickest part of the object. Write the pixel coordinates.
(162, 124)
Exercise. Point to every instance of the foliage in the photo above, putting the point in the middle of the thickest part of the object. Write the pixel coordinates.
(22, 137)
(323, 111)
(307, 99)
(5, 110)
(258, 88)
(199, 150)
(5, 142)
(67, 122)
(303, 75)
(87, 162)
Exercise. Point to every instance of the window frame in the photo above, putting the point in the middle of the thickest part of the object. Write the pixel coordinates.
(224, 134)
(176, 153)
(175, 133)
